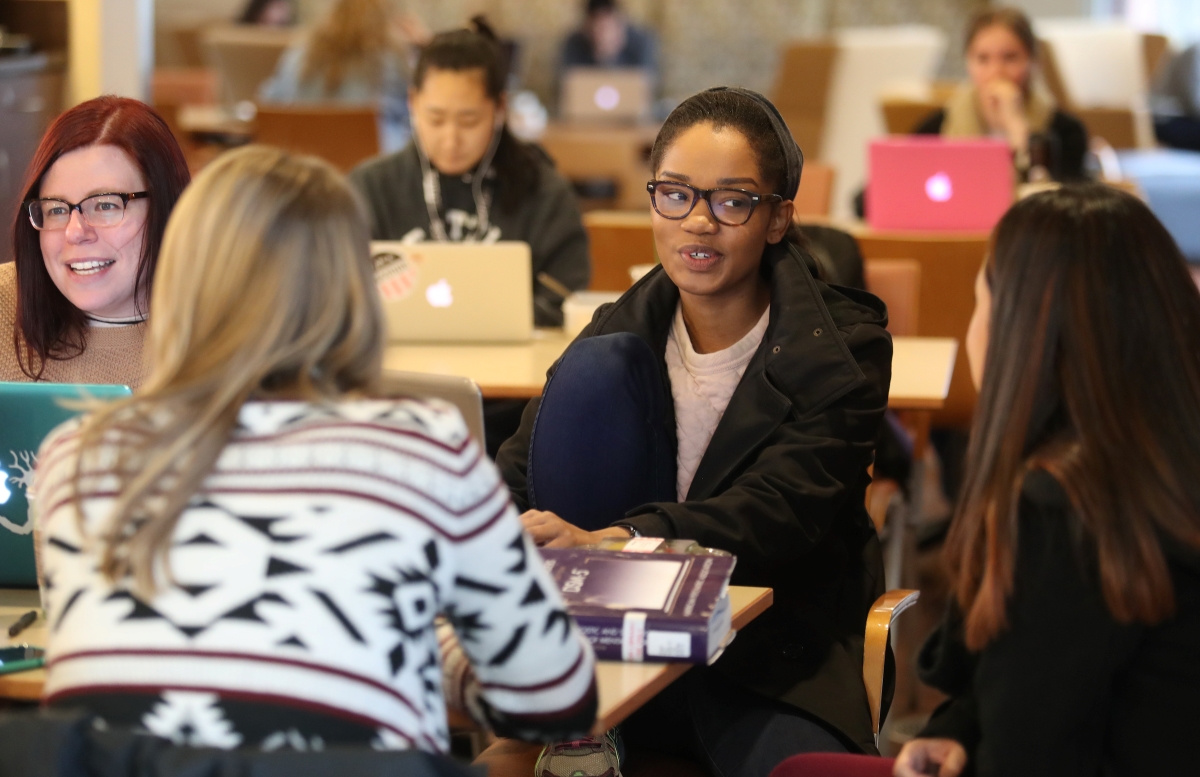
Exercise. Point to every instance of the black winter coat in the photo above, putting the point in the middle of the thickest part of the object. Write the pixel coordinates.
(782, 482)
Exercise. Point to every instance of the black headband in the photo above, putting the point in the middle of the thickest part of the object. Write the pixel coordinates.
(792, 154)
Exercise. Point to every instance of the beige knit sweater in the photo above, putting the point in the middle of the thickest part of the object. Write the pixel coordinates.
(113, 354)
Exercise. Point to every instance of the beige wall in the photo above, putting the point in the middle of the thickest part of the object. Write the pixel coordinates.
(704, 42)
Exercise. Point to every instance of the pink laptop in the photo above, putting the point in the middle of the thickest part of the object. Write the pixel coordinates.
(928, 183)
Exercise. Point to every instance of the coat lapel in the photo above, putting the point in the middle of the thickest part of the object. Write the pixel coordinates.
(801, 366)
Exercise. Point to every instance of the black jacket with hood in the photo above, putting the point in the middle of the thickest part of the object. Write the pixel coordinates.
(548, 220)
(782, 482)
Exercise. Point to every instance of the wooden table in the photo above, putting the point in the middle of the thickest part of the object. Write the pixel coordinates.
(623, 687)
(921, 366)
(22, 686)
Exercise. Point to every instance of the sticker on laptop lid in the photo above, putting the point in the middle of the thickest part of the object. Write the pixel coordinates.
(395, 274)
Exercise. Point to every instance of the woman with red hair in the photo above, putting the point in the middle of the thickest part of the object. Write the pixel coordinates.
(96, 200)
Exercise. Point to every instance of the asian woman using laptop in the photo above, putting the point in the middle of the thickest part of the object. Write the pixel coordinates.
(465, 178)
(732, 398)
(250, 552)
(95, 204)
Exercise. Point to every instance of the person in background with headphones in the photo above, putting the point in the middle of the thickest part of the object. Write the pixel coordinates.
(732, 398)
(465, 178)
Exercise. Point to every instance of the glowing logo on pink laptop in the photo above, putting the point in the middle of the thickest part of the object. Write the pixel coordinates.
(939, 188)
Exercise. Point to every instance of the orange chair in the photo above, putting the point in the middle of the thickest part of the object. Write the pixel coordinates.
(619, 240)
(816, 190)
(898, 283)
(341, 135)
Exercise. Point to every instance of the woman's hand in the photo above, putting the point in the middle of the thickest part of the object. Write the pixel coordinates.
(943, 757)
(1003, 106)
(550, 531)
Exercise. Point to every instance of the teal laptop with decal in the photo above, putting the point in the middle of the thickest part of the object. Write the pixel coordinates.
(29, 412)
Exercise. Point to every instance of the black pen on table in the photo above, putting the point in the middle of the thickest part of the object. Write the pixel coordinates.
(22, 623)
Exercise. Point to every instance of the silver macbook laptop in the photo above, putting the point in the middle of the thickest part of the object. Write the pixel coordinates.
(461, 392)
(594, 94)
(455, 292)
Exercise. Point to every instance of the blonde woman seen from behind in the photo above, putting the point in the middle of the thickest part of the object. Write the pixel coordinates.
(250, 552)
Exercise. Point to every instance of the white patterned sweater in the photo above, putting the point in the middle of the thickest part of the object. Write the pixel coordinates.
(307, 575)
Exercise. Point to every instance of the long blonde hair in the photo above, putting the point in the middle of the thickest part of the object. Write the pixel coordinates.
(353, 37)
(264, 290)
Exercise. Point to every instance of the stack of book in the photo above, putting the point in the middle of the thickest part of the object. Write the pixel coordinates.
(669, 604)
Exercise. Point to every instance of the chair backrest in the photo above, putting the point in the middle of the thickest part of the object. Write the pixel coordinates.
(461, 392)
(947, 298)
(1156, 52)
(341, 135)
(898, 283)
(244, 56)
(875, 644)
(802, 88)
(901, 115)
(619, 240)
(816, 190)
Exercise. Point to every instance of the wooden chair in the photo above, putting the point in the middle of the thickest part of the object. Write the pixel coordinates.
(619, 240)
(898, 283)
(801, 90)
(949, 263)
(343, 136)
(244, 56)
(816, 190)
(902, 115)
(1156, 51)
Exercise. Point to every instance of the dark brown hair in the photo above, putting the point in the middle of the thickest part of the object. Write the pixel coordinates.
(517, 165)
(728, 108)
(48, 325)
(1011, 19)
(1093, 375)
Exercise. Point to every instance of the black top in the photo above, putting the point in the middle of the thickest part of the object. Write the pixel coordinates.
(782, 482)
(1066, 690)
(1066, 136)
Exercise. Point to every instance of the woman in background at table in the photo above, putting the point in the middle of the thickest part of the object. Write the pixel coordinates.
(355, 56)
(269, 13)
(1003, 99)
(465, 178)
(250, 552)
(95, 204)
(732, 398)
(1069, 648)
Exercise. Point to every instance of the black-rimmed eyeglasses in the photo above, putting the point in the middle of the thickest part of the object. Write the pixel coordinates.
(99, 210)
(731, 207)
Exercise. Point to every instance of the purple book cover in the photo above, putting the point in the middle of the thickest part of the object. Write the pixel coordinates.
(645, 606)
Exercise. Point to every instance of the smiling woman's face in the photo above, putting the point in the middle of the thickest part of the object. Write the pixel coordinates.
(702, 256)
(95, 267)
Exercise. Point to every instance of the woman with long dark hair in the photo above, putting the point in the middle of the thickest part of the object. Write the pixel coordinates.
(465, 178)
(1071, 640)
(95, 204)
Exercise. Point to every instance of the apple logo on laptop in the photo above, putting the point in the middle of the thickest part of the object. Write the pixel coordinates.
(939, 188)
(607, 98)
(439, 294)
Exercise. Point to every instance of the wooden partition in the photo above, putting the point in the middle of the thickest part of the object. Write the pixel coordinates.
(343, 136)
(613, 152)
(949, 263)
(802, 88)
(619, 240)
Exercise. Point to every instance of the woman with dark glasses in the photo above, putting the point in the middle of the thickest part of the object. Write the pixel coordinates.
(96, 199)
(732, 398)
